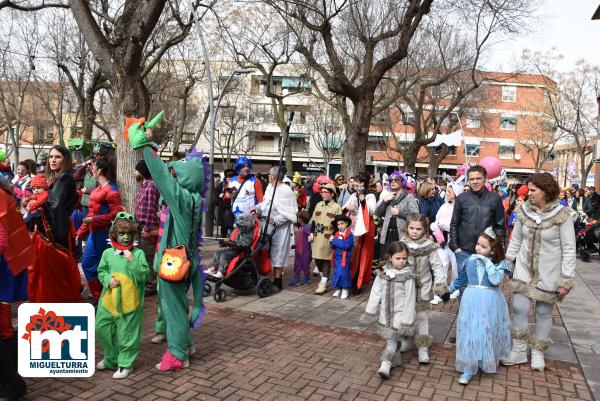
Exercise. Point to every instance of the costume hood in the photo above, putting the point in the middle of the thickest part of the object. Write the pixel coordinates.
(190, 171)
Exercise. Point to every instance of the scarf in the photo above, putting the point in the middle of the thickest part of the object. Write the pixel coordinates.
(388, 215)
(284, 202)
(343, 237)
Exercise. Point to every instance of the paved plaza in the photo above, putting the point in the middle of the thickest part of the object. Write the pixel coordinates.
(299, 346)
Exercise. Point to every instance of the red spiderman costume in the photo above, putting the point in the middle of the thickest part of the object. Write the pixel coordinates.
(104, 204)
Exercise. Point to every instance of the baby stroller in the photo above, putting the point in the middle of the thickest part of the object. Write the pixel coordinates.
(247, 270)
(588, 240)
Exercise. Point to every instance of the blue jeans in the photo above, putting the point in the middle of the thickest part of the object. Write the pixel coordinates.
(461, 260)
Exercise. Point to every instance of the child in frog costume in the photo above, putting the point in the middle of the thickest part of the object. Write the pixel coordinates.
(183, 195)
(122, 271)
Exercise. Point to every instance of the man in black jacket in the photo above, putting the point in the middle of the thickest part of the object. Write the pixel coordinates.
(474, 211)
(591, 205)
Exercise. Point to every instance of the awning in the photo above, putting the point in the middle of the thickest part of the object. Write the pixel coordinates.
(297, 135)
(451, 139)
(294, 83)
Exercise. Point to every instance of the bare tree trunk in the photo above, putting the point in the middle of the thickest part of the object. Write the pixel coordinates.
(436, 159)
(131, 99)
(354, 149)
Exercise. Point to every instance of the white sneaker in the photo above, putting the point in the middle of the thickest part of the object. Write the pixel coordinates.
(122, 373)
(423, 355)
(211, 270)
(218, 274)
(436, 300)
(321, 288)
(192, 349)
(455, 294)
(344, 294)
(100, 365)
(158, 338)
(337, 293)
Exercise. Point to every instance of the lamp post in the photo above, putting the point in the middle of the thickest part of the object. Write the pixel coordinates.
(210, 212)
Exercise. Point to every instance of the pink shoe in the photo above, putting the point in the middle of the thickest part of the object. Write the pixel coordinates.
(168, 362)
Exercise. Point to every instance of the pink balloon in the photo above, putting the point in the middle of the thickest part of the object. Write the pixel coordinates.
(493, 165)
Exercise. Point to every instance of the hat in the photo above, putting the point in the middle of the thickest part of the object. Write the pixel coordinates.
(523, 190)
(330, 187)
(142, 168)
(39, 181)
(337, 176)
(457, 187)
(241, 162)
(297, 178)
(341, 217)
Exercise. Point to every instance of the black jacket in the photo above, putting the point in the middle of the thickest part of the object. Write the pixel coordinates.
(473, 213)
(591, 205)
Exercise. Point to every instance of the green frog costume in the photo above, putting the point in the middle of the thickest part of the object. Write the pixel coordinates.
(120, 314)
(184, 197)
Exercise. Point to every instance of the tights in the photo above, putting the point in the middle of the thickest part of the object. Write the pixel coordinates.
(324, 266)
(543, 316)
(422, 323)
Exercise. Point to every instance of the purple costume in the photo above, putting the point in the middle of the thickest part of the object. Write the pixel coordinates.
(303, 253)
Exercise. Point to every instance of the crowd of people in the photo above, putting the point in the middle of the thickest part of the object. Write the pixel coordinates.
(401, 237)
(410, 235)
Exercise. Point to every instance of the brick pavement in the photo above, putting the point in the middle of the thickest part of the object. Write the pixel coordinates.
(246, 356)
(254, 354)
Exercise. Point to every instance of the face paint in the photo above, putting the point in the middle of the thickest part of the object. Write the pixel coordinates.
(124, 238)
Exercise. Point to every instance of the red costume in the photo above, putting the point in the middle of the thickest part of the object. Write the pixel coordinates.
(362, 257)
(105, 203)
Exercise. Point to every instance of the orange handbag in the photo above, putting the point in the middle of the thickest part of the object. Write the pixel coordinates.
(175, 263)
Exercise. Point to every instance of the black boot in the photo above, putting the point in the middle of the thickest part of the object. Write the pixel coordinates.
(12, 386)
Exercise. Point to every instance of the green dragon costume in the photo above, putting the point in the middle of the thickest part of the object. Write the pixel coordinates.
(120, 314)
(184, 197)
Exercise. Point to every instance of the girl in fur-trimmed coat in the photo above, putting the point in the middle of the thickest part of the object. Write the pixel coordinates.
(431, 278)
(394, 289)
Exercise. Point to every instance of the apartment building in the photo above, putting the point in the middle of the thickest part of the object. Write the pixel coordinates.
(505, 119)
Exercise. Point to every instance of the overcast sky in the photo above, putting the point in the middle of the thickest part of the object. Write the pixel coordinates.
(564, 24)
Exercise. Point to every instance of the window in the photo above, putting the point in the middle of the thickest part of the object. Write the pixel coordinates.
(473, 118)
(264, 142)
(509, 93)
(506, 152)
(375, 143)
(261, 113)
(408, 117)
(259, 86)
(472, 150)
(451, 150)
(300, 113)
(381, 118)
(298, 142)
(508, 123)
(187, 137)
(331, 142)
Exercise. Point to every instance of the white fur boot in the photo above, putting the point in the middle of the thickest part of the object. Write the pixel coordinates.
(518, 354)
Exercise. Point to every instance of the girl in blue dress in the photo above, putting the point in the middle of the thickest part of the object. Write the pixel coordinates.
(483, 324)
(341, 244)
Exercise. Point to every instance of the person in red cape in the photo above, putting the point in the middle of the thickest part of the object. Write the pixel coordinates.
(361, 207)
(54, 277)
(16, 253)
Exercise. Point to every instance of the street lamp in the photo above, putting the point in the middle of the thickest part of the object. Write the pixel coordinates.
(210, 212)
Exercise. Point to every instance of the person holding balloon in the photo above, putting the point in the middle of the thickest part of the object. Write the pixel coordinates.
(475, 210)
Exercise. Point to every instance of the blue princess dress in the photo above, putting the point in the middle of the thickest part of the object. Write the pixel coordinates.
(483, 324)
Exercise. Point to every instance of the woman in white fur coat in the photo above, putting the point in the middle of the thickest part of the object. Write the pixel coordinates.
(542, 250)
(281, 221)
